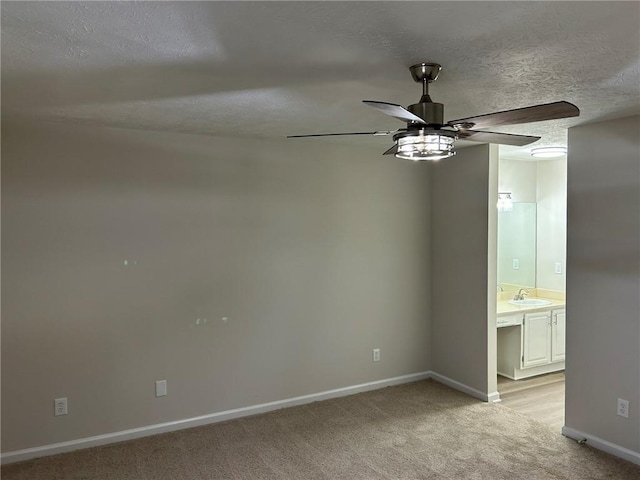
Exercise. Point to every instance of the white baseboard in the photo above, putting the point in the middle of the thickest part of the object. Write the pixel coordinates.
(494, 397)
(490, 397)
(603, 445)
(521, 373)
(510, 377)
(62, 447)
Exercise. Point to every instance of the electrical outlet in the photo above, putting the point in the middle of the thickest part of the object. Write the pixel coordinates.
(376, 354)
(558, 268)
(516, 264)
(623, 408)
(60, 406)
(161, 388)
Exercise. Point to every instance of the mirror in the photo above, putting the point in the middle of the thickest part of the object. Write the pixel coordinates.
(517, 247)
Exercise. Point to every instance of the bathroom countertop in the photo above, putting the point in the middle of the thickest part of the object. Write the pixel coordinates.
(503, 307)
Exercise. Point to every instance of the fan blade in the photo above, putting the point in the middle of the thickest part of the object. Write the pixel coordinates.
(396, 111)
(535, 113)
(391, 151)
(494, 137)
(378, 133)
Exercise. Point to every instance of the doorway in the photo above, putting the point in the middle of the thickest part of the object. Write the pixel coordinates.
(530, 315)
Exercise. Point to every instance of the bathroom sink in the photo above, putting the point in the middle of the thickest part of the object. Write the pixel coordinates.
(530, 302)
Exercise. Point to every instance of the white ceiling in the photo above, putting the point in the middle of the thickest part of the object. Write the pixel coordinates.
(269, 69)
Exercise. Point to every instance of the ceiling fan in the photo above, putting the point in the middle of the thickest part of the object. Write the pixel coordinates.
(427, 137)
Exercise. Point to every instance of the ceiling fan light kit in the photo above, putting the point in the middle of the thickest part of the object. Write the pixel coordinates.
(428, 137)
(425, 145)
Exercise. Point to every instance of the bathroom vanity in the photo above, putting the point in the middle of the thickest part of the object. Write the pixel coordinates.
(531, 338)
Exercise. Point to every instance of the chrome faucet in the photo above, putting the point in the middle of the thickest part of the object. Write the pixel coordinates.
(501, 289)
(521, 294)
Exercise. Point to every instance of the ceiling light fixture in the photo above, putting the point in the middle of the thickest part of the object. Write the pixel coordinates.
(425, 144)
(549, 152)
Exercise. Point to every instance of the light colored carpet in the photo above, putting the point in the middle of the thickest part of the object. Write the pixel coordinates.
(421, 430)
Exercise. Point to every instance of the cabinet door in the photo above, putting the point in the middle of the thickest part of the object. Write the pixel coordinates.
(558, 329)
(536, 339)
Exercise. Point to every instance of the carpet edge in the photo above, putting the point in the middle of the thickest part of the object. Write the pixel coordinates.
(165, 427)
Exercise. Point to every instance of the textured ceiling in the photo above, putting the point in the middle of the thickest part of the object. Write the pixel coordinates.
(269, 69)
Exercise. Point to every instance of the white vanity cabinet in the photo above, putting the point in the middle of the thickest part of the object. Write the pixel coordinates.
(532, 346)
(536, 339)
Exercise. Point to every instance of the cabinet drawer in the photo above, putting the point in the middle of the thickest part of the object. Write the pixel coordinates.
(509, 320)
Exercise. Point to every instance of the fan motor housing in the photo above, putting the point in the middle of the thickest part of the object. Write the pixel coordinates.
(430, 112)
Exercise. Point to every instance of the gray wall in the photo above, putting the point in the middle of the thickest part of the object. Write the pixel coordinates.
(461, 314)
(316, 252)
(603, 280)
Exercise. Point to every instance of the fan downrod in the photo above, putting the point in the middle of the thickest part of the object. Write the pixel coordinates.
(432, 113)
